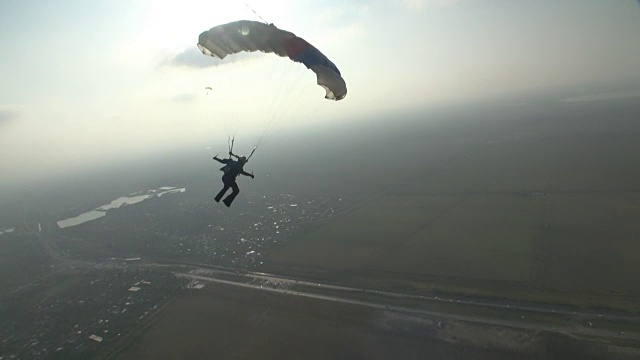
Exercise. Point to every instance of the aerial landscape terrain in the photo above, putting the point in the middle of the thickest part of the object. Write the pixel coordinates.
(279, 179)
(500, 239)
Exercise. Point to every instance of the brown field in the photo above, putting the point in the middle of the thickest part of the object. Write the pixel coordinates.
(545, 216)
(537, 211)
(223, 322)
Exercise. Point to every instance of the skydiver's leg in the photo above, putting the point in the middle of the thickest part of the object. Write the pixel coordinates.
(221, 193)
(227, 184)
(229, 199)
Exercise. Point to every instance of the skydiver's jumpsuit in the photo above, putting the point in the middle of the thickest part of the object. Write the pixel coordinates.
(231, 171)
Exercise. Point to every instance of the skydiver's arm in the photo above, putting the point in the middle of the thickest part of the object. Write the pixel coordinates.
(234, 155)
(224, 161)
(246, 173)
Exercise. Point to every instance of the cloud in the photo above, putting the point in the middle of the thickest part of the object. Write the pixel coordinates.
(193, 58)
(603, 96)
(9, 113)
(422, 4)
(341, 23)
(181, 98)
(343, 13)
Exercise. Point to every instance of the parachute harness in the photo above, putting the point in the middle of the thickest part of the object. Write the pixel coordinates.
(230, 141)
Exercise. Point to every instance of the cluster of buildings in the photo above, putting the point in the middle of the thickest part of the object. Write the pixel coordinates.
(98, 310)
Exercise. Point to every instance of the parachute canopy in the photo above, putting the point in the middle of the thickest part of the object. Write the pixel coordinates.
(245, 35)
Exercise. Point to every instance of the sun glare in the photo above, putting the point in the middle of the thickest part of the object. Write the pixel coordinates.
(172, 24)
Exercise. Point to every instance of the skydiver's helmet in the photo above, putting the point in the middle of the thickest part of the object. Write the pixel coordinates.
(243, 159)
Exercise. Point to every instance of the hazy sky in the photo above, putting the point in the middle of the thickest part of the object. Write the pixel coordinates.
(89, 82)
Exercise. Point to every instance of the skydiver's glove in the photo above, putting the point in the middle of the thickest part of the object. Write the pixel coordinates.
(252, 176)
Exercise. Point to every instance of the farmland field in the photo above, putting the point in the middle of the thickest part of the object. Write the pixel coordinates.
(545, 215)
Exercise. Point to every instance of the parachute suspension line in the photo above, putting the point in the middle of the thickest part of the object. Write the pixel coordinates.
(276, 73)
(286, 98)
(253, 11)
(296, 91)
(275, 112)
(252, 151)
(282, 99)
(229, 120)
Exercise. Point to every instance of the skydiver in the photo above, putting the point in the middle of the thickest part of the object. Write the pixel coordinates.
(231, 169)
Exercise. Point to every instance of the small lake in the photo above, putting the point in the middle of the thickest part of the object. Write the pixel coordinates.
(7, 231)
(101, 211)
